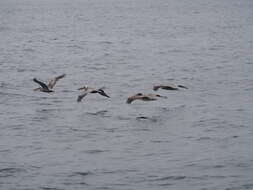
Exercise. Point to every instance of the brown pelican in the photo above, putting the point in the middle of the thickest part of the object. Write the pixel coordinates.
(48, 87)
(88, 90)
(143, 97)
(168, 87)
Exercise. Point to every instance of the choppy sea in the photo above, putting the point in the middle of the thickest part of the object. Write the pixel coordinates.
(198, 138)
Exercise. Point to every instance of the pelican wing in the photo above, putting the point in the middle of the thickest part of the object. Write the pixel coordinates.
(101, 92)
(81, 96)
(169, 87)
(182, 86)
(130, 100)
(42, 84)
(53, 81)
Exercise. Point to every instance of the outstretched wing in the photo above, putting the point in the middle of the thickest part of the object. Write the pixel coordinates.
(165, 87)
(101, 92)
(130, 100)
(181, 86)
(53, 81)
(81, 96)
(42, 84)
(155, 88)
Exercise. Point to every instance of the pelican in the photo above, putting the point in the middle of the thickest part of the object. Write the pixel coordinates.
(168, 87)
(43, 88)
(88, 90)
(48, 87)
(143, 97)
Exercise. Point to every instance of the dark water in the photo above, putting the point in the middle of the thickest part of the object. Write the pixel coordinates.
(200, 138)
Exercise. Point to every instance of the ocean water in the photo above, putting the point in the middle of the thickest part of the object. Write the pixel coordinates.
(197, 139)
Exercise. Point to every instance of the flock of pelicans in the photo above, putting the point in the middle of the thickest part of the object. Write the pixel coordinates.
(48, 88)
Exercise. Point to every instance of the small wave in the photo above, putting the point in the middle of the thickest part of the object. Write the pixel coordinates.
(103, 188)
(29, 50)
(4, 28)
(80, 174)
(44, 103)
(102, 113)
(160, 141)
(218, 166)
(142, 129)
(75, 183)
(123, 118)
(5, 150)
(153, 119)
(126, 42)
(248, 186)
(243, 165)
(8, 172)
(97, 68)
(95, 151)
(203, 138)
(166, 184)
(170, 178)
(122, 171)
(75, 46)
(107, 54)
(50, 188)
(106, 42)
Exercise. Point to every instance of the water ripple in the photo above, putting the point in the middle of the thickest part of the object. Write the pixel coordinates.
(10, 172)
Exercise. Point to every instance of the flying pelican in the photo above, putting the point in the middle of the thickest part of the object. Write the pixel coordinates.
(143, 97)
(88, 90)
(48, 87)
(168, 87)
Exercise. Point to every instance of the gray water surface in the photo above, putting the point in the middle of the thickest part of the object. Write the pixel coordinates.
(199, 138)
